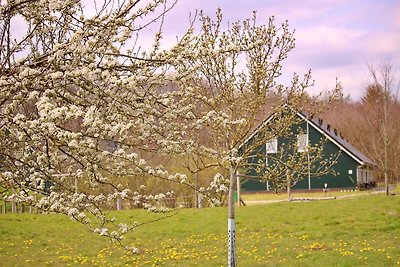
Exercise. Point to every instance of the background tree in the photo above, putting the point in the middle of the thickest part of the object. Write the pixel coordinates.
(364, 124)
(232, 88)
(381, 97)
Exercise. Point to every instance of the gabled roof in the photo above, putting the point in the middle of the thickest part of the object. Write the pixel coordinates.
(330, 133)
(338, 140)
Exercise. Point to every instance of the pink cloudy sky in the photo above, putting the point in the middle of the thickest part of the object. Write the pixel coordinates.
(334, 38)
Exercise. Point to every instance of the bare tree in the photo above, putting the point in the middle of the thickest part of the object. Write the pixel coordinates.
(380, 98)
(232, 88)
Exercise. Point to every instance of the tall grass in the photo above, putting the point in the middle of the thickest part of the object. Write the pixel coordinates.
(364, 231)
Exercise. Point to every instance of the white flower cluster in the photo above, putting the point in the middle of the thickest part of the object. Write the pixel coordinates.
(218, 184)
(87, 113)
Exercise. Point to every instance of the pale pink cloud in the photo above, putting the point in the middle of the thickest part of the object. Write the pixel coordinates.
(335, 38)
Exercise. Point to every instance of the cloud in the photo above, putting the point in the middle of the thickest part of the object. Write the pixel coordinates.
(335, 38)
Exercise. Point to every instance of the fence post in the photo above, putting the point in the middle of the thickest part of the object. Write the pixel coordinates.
(119, 204)
(13, 207)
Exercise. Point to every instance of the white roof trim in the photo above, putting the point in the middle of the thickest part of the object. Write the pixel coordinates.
(330, 138)
(255, 131)
(264, 123)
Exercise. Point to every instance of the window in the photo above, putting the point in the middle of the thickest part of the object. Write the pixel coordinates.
(302, 142)
(272, 146)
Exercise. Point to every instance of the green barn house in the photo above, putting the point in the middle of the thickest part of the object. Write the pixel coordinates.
(352, 169)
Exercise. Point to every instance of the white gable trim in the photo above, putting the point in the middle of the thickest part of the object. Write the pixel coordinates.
(262, 125)
(330, 138)
(309, 122)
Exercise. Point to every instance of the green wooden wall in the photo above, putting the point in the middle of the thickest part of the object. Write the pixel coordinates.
(345, 163)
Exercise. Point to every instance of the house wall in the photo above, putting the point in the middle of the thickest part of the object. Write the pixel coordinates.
(346, 166)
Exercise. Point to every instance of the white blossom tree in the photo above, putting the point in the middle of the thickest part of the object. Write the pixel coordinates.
(234, 79)
(80, 100)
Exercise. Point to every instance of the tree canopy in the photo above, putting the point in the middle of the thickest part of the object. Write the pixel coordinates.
(82, 101)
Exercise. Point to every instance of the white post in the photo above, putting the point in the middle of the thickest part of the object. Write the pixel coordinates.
(231, 220)
(231, 243)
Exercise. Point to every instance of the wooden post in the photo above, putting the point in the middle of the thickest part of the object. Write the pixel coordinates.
(196, 193)
(200, 200)
(119, 203)
(13, 207)
(289, 185)
(36, 210)
(76, 184)
(238, 188)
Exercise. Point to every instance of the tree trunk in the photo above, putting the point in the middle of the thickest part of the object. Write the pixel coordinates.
(386, 143)
(231, 220)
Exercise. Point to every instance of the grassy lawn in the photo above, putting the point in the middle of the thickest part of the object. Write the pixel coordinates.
(363, 231)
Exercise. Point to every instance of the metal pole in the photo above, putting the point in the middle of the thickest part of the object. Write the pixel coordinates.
(231, 221)
(231, 244)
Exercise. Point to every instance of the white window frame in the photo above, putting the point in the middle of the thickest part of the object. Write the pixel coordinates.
(272, 146)
(302, 142)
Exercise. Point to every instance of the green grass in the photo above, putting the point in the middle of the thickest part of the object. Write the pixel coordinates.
(363, 231)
